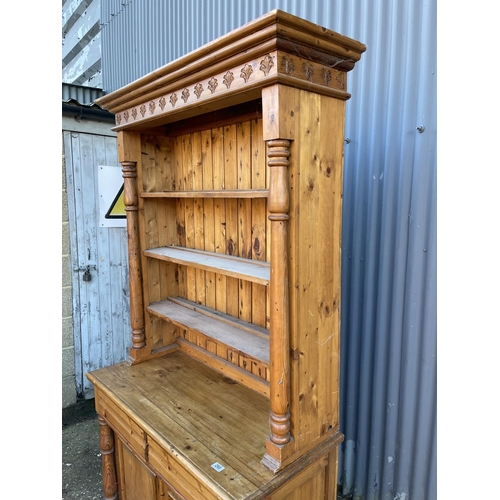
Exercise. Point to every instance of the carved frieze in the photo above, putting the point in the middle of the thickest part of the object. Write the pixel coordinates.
(270, 66)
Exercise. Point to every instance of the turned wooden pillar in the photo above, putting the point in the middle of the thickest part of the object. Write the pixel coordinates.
(107, 448)
(278, 207)
(130, 199)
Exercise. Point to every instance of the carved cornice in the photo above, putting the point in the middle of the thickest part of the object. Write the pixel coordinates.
(276, 48)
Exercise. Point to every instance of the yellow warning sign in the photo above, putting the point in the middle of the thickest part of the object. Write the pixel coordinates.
(117, 208)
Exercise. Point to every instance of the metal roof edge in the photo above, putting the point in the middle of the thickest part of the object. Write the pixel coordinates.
(81, 95)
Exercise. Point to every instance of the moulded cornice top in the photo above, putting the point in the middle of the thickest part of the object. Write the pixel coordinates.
(274, 48)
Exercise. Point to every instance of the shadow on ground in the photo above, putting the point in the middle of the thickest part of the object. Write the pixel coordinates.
(81, 458)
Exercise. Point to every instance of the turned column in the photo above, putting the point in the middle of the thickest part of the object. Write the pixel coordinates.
(107, 448)
(130, 199)
(278, 207)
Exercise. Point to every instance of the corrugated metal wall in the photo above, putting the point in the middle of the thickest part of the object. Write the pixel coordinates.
(81, 42)
(388, 385)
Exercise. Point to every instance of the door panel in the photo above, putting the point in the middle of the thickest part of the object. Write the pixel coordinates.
(100, 296)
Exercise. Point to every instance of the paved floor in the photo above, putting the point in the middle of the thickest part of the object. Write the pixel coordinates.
(81, 458)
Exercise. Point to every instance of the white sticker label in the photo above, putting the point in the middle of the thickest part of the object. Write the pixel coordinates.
(218, 467)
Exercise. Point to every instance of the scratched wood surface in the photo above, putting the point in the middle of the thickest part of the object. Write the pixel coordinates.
(160, 414)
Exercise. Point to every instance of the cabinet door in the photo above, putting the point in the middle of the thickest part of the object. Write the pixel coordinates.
(136, 481)
(165, 492)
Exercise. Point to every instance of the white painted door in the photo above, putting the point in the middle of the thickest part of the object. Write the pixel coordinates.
(98, 257)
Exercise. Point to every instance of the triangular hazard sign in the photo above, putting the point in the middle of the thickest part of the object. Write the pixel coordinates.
(117, 208)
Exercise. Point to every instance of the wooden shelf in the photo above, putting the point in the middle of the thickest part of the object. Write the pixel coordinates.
(255, 271)
(243, 337)
(222, 193)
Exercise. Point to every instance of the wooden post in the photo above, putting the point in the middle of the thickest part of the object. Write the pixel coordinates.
(107, 447)
(130, 199)
(278, 207)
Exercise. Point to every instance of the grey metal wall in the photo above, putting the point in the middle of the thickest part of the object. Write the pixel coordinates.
(388, 361)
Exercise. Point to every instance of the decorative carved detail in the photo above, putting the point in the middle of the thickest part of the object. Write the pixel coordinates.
(198, 89)
(278, 152)
(326, 74)
(266, 64)
(340, 81)
(228, 79)
(280, 427)
(287, 64)
(212, 84)
(308, 70)
(246, 71)
(131, 202)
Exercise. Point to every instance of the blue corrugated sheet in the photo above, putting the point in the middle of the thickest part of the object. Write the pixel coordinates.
(388, 360)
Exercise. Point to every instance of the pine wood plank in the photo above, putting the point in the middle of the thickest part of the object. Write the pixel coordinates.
(232, 239)
(208, 212)
(259, 219)
(306, 428)
(139, 481)
(198, 215)
(207, 311)
(209, 193)
(243, 135)
(180, 211)
(329, 265)
(228, 368)
(219, 214)
(295, 291)
(236, 267)
(188, 173)
(230, 335)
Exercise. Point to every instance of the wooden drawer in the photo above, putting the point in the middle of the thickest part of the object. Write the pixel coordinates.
(168, 466)
(130, 433)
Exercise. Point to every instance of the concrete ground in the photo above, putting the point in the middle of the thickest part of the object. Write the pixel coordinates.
(81, 458)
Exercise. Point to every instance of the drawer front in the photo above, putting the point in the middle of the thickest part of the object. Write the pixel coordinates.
(166, 465)
(131, 434)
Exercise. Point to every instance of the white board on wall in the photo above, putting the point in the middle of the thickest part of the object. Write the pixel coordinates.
(111, 206)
